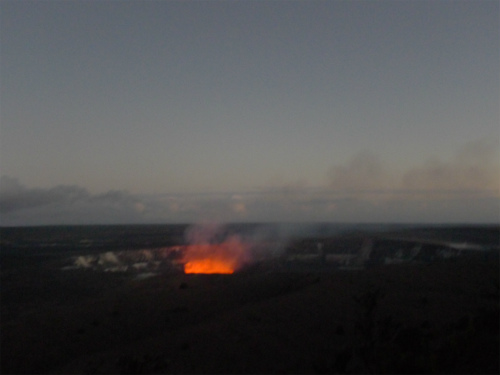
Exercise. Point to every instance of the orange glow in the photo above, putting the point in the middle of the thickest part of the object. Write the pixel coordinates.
(207, 266)
(225, 258)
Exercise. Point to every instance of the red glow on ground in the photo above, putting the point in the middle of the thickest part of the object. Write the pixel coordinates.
(224, 258)
(207, 266)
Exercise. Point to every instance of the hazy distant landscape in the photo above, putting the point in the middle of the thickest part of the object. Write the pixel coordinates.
(249, 186)
(318, 298)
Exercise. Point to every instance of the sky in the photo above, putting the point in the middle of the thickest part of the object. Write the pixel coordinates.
(184, 111)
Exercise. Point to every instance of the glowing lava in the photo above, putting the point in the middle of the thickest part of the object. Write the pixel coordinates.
(225, 258)
(208, 266)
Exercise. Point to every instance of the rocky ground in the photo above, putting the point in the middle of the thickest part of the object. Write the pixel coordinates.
(408, 318)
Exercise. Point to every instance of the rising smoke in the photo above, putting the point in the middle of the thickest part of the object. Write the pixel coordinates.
(211, 249)
(219, 248)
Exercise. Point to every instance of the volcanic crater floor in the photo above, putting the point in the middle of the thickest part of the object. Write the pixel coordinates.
(435, 318)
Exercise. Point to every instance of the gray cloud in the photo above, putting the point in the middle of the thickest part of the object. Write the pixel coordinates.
(14, 196)
(473, 169)
(464, 188)
(363, 172)
(64, 204)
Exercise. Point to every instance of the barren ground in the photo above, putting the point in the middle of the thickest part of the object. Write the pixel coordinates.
(436, 318)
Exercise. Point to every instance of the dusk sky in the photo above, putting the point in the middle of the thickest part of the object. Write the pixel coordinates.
(184, 111)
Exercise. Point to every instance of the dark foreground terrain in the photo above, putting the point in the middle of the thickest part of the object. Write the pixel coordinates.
(436, 317)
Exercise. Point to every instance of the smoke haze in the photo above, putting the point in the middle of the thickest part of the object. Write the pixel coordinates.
(464, 188)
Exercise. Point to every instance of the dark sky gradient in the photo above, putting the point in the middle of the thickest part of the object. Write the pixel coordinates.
(250, 110)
